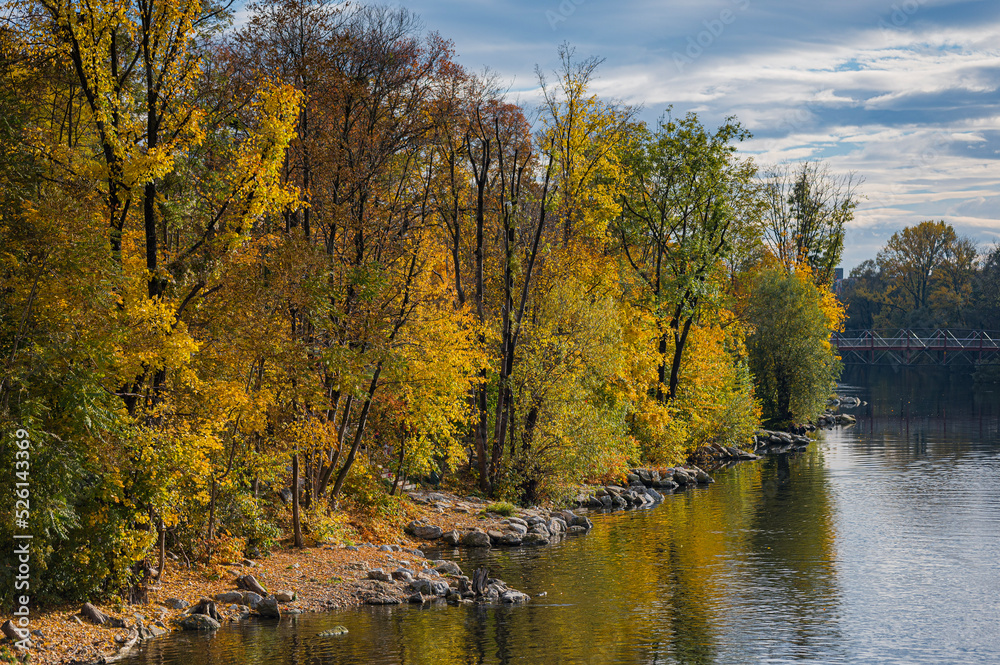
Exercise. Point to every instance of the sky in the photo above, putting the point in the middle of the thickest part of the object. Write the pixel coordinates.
(903, 93)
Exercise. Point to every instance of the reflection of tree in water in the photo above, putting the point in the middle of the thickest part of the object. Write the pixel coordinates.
(793, 543)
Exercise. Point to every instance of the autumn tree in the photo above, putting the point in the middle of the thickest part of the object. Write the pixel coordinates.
(584, 134)
(793, 363)
(686, 195)
(807, 209)
(928, 270)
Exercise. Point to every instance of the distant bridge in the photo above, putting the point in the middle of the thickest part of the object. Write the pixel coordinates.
(917, 347)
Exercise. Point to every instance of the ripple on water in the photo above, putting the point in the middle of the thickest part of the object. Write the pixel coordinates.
(878, 545)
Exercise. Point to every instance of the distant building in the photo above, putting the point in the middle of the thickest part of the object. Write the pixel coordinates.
(838, 281)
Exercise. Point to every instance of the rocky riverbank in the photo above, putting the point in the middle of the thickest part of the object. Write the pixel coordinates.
(331, 576)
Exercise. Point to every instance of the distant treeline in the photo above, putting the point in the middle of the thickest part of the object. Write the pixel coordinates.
(926, 277)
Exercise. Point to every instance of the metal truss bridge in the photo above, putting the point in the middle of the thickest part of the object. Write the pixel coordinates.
(918, 347)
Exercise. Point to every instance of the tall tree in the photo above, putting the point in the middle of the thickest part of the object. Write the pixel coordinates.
(791, 358)
(687, 193)
(807, 209)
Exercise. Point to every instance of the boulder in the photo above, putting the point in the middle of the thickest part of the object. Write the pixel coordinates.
(534, 540)
(494, 535)
(268, 608)
(430, 587)
(451, 538)
(403, 575)
(333, 632)
(519, 529)
(229, 597)
(476, 539)
(512, 596)
(509, 540)
(198, 622)
(175, 603)
(284, 596)
(447, 567)
(516, 520)
(427, 532)
(582, 520)
(575, 531)
(379, 574)
(252, 600)
(540, 529)
(381, 599)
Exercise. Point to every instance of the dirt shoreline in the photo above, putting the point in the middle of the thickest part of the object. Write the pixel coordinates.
(323, 578)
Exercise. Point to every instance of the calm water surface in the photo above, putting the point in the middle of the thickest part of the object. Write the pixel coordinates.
(881, 544)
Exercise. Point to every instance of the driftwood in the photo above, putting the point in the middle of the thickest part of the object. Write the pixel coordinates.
(205, 606)
(98, 617)
(479, 578)
(249, 583)
(123, 651)
(12, 631)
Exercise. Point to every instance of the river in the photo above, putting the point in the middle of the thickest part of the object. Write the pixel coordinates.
(880, 544)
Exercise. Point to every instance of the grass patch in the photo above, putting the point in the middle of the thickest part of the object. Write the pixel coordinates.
(501, 508)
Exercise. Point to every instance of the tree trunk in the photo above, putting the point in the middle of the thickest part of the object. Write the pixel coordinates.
(296, 521)
(358, 434)
(162, 558)
(675, 366)
(399, 468)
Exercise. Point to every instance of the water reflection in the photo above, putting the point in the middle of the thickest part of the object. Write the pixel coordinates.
(878, 545)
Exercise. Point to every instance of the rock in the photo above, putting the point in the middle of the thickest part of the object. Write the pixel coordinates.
(519, 529)
(284, 596)
(494, 535)
(516, 520)
(451, 538)
(512, 596)
(653, 495)
(584, 521)
(268, 608)
(575, 531)
(380, 575)
(476, 539)
(509, 540)
(198, 622)
(426, 531)
(229, 597)
(430, 587)
(403, 575)
(540, 529)
(557, 525)
(249, 583)
(333, 632)
(381, 599)
(417, 598)
(633, 479)
(447, 567)
(534, 540)
(703, 477)
(252, 600)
